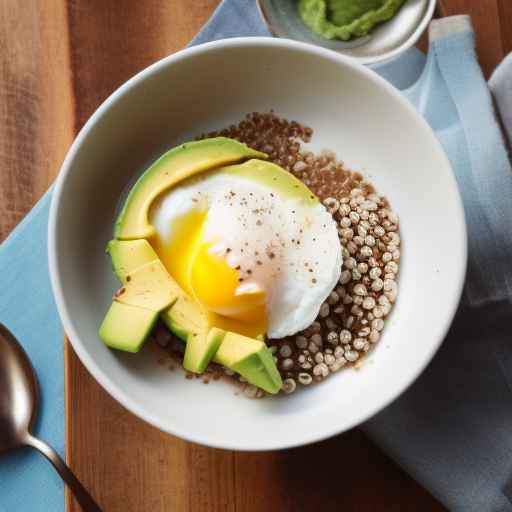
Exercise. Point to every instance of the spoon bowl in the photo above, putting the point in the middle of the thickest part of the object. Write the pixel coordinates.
(19, 400)
(19, 394)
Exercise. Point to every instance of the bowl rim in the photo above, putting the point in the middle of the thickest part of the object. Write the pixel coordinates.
(56, 278)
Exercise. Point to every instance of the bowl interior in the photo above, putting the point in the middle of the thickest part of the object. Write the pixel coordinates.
(352, 112)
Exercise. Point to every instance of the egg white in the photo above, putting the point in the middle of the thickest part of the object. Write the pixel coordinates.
(292, 249)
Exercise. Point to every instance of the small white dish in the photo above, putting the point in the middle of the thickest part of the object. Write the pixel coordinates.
(353, 112)
(386, 41)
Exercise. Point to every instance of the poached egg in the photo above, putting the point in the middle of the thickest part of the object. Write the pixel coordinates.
(252, 245)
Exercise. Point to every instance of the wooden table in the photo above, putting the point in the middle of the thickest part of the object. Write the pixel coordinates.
(59, 60)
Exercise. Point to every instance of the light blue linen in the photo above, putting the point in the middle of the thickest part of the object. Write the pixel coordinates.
(451, 431)
(27, 481)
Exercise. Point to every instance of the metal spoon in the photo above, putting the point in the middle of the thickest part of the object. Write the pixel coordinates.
(19, 398)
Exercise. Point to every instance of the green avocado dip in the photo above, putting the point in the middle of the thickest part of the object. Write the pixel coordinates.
(345, 19)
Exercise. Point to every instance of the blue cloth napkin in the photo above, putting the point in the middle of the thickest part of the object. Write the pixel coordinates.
(27, 481)
(451, 430)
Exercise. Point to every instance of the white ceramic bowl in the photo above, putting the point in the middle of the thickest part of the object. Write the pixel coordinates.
(352, 111)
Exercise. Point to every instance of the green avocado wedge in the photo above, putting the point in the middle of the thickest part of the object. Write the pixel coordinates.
(186, 319)
(126, 327)
(174, 166)
(150, 287)
(250, 358)
(147, 291)
(201, 348)
(275, 178)
(129, 255)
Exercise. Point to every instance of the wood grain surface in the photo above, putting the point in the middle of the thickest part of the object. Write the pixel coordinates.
(59, 60)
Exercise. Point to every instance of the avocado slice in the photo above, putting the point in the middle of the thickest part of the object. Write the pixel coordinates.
(147, 291)
(149, 286)
(275, 177)
(128, 255)
(174, 166)
(201, 348)
(250, 358)
(186, 318)
(126, 327)
(189, 321)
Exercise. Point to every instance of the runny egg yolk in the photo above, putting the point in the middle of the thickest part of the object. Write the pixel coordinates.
(232, 301)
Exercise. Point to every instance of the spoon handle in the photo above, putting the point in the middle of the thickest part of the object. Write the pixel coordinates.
(80, 492)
